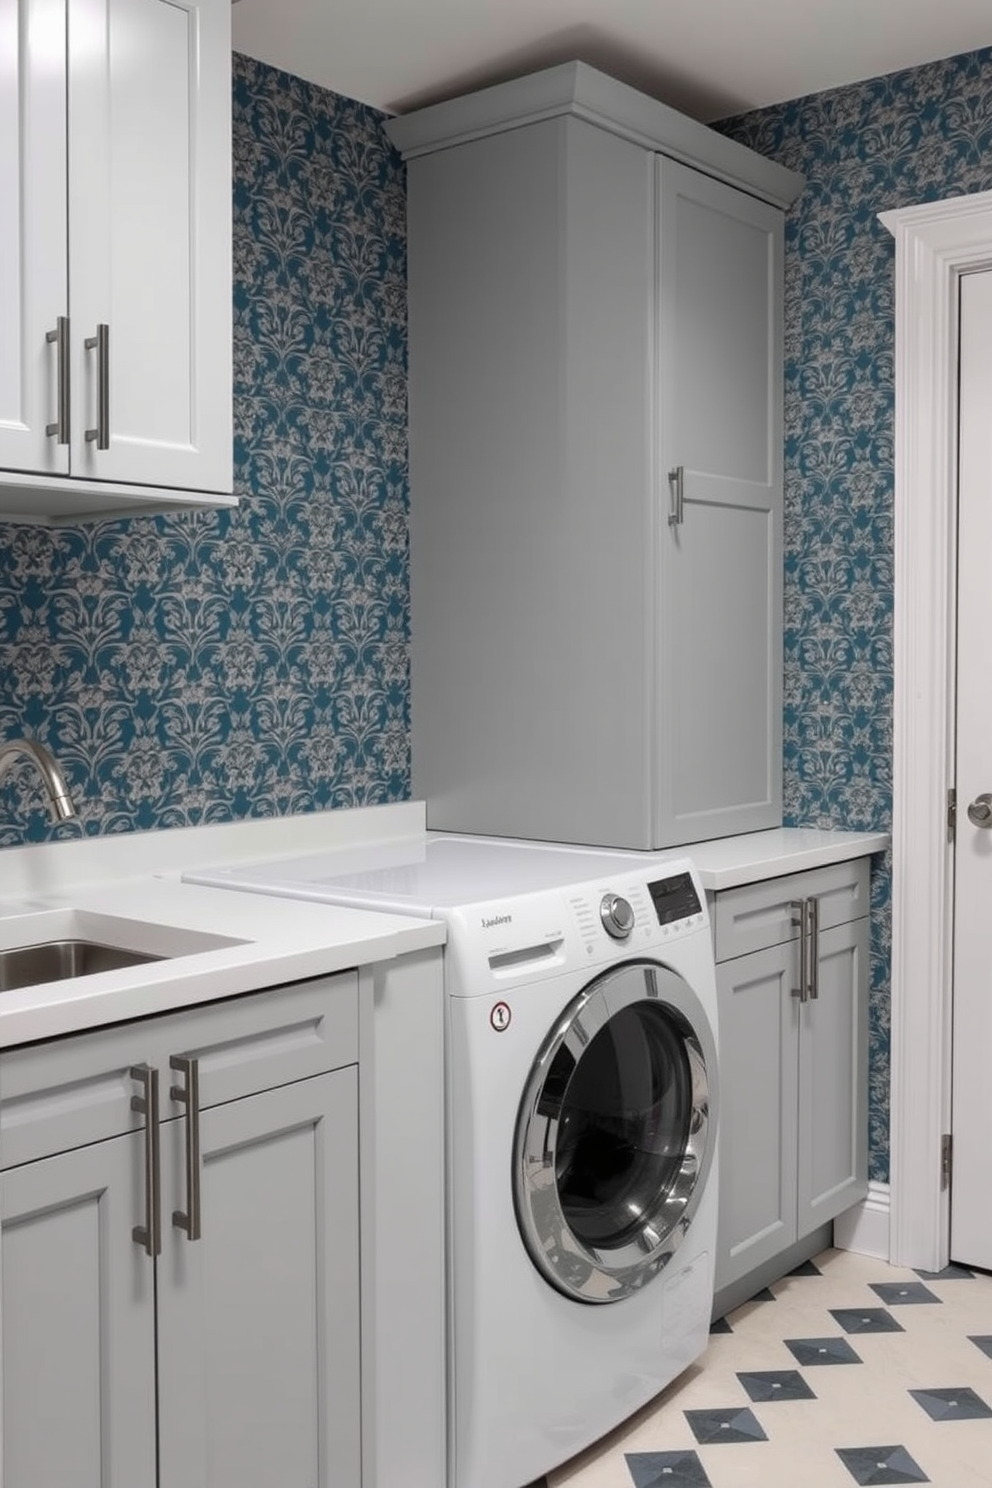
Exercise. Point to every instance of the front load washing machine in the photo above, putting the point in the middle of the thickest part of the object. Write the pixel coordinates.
(582, 1119)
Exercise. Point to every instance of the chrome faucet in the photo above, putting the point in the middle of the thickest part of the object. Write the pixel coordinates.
(60, 806)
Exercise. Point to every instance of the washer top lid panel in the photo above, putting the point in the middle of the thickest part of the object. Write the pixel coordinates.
(437, 872)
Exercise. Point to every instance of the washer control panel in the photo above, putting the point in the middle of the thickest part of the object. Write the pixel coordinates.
(616, 915)
(674, 898)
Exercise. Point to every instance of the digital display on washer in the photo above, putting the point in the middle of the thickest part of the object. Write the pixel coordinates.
(674, 898)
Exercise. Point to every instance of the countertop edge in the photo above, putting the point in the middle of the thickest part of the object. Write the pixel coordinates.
(732, 862)
(271, 943)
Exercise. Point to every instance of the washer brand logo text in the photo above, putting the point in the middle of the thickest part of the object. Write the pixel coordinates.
(497, 920)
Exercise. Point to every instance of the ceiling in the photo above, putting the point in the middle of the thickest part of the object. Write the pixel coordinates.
(708, 58)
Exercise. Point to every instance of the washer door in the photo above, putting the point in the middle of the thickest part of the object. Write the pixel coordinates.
(616, 1133)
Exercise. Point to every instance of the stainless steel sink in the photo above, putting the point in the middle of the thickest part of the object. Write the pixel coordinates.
(53, 960)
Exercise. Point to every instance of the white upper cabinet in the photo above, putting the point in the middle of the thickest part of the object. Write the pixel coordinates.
(115, 296)
(34, 274)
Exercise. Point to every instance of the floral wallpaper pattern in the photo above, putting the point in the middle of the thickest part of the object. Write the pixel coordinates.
(216, 666)
(213, 666)
(910, 137)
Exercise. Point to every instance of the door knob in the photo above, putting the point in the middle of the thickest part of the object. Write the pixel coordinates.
(980, 810)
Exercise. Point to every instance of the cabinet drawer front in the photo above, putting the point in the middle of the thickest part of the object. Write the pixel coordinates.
(76, 1090)
(760, 914)
(268, 1039)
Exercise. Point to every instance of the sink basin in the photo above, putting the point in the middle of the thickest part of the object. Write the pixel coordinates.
(56, 945)
(51, 961)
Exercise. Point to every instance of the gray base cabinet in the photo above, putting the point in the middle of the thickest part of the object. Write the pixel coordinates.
(244, 1341)
(792, 983)
(596, 466)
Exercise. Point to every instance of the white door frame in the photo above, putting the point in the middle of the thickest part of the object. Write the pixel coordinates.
(935, 244)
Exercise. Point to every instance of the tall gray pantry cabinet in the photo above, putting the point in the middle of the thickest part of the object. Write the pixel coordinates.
(596, 466)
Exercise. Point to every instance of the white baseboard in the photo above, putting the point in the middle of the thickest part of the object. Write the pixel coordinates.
(865, 1227)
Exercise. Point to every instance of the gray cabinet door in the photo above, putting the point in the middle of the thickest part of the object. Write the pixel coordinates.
(720, 425)
(794, 1075)
(78, 1322)
(259, 1347)
(758, 1103)
(833, 1080)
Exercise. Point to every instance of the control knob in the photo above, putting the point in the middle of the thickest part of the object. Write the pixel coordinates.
(616, 915)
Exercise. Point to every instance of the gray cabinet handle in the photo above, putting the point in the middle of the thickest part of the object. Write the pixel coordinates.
(150, 1233)
(189, 1096)
(806, 918)
(813, 922)
(676, 486)
(60, 335)
(101, 344)
(798, 907)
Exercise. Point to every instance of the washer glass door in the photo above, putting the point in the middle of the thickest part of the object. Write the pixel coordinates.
(616, 1132)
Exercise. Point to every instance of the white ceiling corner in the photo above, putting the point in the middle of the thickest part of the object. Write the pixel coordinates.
(709, 58)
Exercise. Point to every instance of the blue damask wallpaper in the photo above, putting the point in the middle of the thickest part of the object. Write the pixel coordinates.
(210, 667)
(207, 667)
(910, 137)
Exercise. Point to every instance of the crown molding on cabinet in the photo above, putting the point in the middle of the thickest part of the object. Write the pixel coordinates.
(582, 91)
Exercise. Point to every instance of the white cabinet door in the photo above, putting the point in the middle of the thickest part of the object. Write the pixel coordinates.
(720, 590)
(78, 1322)
(33, 276)
(259, 1344)
(150, 238)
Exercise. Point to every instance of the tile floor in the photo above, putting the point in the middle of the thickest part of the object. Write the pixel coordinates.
(846, 1372)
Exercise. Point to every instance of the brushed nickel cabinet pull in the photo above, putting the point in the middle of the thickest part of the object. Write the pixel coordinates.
(813, 913)
(798, 907)
(101, 344)
(189, 1096)
(60, 429)
(676, 485)
(150, 1233)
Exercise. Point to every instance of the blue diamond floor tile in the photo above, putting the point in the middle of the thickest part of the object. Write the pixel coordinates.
(899, 1293)
(949, 1273)
(806, 1268)
(714, 1427)
(881, 1465)
(809, 1351)
(959, 1404)
(765, 1295)
(667, 1470)
(776, 1384)
(982, 1341)
(720, 1325)
(866, 1320)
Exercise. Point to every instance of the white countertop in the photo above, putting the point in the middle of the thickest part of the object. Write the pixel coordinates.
(271, 940)
(728, 862)
(62, 889)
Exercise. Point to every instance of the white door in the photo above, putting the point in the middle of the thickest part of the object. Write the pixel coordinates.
(971, 1196)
